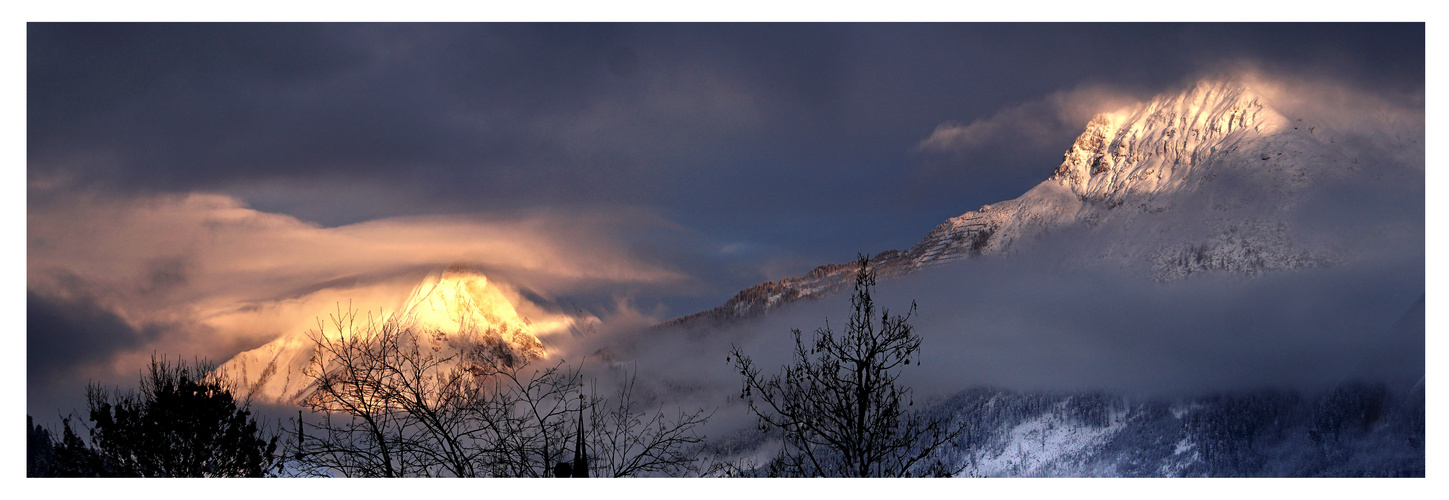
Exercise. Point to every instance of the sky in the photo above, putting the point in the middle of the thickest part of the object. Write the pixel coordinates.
(198, 189)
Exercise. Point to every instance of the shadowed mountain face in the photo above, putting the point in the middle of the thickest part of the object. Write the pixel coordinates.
(1354, 430)
(1212, 179)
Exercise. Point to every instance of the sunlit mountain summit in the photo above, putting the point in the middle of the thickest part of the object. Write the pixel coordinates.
(450, 311)
(460, 302)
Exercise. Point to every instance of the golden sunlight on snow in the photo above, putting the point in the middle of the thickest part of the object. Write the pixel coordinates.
(448, 309)
(460, 301)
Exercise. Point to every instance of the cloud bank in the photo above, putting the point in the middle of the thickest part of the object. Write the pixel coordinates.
(1035, 124)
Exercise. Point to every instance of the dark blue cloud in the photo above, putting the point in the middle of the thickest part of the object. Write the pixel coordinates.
(62, 334)
(65, 339)
(795, 139)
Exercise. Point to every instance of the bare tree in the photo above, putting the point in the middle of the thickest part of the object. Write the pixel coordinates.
(392, 405)
(363, 431)
(528, 412)
(838, 406)
(630, 441)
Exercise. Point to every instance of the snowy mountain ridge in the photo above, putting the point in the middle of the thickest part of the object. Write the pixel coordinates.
(1194, 181)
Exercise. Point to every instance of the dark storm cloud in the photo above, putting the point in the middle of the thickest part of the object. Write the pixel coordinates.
(62, 335)
(790, 136)
(70, 342)
(778, 147)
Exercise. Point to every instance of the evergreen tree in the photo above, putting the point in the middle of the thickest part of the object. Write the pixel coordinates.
(184, 422)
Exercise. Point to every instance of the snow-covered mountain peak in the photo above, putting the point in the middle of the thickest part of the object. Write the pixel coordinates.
(460, 300)
(1153, 146)
(452, 310)
(1155, 157)
(1205, 179)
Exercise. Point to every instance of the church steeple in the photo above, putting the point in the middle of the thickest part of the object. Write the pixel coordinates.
(581, 457)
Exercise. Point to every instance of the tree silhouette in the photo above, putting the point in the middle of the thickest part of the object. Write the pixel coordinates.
(837, 404)
(183, 422)
(389, 407)
(67, 456)
(40, 456)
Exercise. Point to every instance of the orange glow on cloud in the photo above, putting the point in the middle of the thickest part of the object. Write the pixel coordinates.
(230, 277)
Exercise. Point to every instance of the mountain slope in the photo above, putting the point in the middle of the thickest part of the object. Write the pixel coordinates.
(1203, 180)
